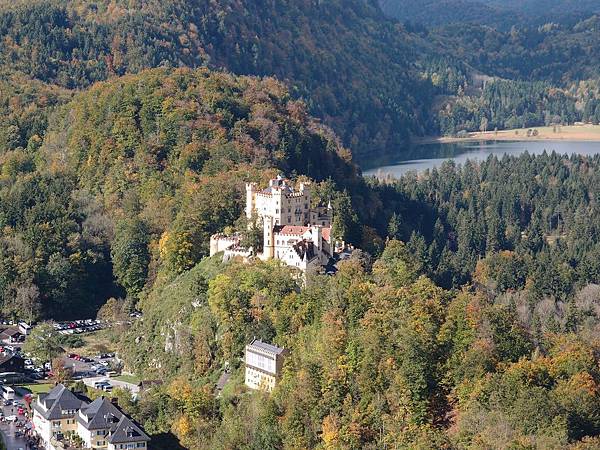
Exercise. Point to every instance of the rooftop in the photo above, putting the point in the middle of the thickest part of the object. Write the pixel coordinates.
(257, 343)
(305, 249)
(291, 230)
(102, 414)
(59, 399)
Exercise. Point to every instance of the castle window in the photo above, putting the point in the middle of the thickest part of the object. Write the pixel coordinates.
(276, 211)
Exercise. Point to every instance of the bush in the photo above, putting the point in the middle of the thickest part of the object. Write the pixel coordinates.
(71, 341)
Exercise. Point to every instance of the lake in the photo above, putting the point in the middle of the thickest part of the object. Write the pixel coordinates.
(427, 156)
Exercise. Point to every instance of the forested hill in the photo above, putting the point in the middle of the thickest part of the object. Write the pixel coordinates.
(132, 176)
(354, 68)
(502, 14)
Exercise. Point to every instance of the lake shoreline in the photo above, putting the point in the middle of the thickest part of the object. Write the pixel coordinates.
(581, 133)
(434, 154)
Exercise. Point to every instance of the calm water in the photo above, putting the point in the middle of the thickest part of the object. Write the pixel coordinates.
(428, 156)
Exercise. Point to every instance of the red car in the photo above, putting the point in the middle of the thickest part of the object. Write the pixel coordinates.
(20, 411)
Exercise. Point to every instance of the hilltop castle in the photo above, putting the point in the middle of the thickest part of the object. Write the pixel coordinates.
(293, 232)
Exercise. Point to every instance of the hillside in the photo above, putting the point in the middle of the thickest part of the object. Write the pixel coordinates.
(325, 51)
(135, 174)
(383, 356)
(556, 53)
(501, 14)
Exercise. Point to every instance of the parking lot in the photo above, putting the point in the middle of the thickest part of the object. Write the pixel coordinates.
(79, 326)
(85, 367)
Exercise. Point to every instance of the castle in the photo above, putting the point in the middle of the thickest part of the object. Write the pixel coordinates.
(293, 232)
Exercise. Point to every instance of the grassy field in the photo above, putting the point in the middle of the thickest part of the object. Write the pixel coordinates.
(560, 133)
(97, 342)
(37, 388)
(128, 379)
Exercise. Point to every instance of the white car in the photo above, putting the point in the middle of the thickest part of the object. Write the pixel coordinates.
(12, 418)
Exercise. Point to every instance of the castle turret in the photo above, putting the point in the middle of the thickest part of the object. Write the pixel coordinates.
(268, 239)
(250, 191)
(317, 237)
(279, 206)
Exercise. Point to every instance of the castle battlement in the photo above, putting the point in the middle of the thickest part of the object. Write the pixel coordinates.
(293, 231)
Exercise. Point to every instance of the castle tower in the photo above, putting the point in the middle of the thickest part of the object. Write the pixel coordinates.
(279, 206)
(250, 191)
(268, 239)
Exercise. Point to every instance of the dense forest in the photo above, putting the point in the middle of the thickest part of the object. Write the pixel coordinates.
(421, 70)
(134, 175)
(74, 44)
(501, 14)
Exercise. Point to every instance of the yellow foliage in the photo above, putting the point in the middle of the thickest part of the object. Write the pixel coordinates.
(182, 426)
(330, 432)
(181, 390)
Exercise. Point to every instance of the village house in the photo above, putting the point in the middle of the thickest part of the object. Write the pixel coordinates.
(11, 335)
(101, 424)
(264, 363)
(11, 363)
(61, 414)
(293, 231)
(54, 415)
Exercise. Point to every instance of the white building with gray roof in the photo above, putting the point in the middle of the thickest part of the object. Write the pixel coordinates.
(264, 364)
(101, 424)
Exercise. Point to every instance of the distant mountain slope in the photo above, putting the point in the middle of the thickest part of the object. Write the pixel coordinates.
(557, 53)
(353, 67)
(497, 13)
(435, 13)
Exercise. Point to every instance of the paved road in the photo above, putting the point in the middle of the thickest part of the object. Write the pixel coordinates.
(80, 368)
(134, 388)
(8, 431)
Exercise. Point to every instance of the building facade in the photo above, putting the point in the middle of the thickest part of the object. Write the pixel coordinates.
(54, 415)
(60, 414)
(264, 363)
(102, 425)
(293, 231)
